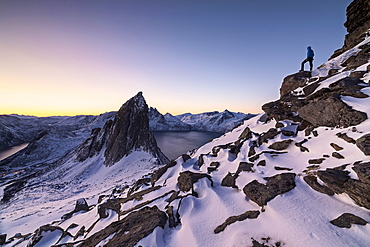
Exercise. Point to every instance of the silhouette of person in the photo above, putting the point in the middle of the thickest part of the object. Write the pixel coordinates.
(309, 58)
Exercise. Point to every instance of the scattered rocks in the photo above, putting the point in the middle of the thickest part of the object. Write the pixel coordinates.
(345, 137)
(301, 147)
(363, 143)
(347, 219)
(316, 161)
(233, 219)
(281, 145)
(337, 155)
(336, 147)
(276, 185)
(187, 178)
(312, 182)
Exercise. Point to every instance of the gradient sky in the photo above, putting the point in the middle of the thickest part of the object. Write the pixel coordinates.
(88, 57)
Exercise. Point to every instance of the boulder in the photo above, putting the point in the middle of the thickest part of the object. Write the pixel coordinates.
(244, 166)
(229, 180)
(363, 143)
(331, 112)
(187, 178)
(246, 134)
(276, 185)
(294, 81)
(233, 219)
(347, 219)
(281, 145)
(81, 205)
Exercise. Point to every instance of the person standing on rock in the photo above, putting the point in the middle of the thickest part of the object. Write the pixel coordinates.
(309, 59)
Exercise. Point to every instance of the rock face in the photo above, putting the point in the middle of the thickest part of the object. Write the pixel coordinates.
(294, 81)
(331, 112)
(128, 132)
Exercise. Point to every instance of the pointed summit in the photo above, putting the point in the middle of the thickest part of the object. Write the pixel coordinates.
(130, 132)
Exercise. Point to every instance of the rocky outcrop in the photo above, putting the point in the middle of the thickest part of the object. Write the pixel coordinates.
(331, 112)
(129, 230)
(294, 81)
(276, 185)
(233, 219)
(187, 178)
(363, 143)
(347, 219)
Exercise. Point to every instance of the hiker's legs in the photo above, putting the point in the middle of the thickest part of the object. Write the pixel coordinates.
(302, 64)
(311, 63)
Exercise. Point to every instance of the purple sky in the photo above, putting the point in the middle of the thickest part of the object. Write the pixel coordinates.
(88, 57)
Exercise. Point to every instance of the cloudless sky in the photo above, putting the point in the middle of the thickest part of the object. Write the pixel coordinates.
(69, 57)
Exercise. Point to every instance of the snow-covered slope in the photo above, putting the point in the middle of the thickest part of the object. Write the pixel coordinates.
(298, 175)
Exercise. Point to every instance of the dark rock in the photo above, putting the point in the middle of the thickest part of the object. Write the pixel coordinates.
(244, 166)
(264, 137)
(233, 219)
(200, 160)
(315, 134)
(347, 82)
(213, 166)
(2, 239)
(279, 168)
(261, 163)
(336, 147)
(363, 172)
(363, 143)
(229, 180)
(312, 182)
(81, 205)
(337, 155)
(281, 145)
(159, 173)
(359, 192)
(294, 81)
(357, 74)
(187, 178)
(310, 88)
(252, 150)
(334, 179)
(276, 185)
(111, 204)
(301, 147)
(347, 219)
(316, 161)
(346, 138)
(171, 217)
(130, 230)
(185, 157)
(246, 134)
(130, 131)
(331, 112)
(279, 125)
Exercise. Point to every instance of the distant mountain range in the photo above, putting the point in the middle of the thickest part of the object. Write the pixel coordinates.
(208, 121)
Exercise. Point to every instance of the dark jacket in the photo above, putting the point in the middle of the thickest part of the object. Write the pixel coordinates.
(310, 52)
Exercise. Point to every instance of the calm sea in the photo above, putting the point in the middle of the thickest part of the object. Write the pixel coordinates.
(174, 144)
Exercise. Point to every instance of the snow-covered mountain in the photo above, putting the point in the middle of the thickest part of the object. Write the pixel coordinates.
(296, 175)
(208, 121)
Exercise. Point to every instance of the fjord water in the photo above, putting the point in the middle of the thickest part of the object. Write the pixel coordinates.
(6, 153)
(173, 144)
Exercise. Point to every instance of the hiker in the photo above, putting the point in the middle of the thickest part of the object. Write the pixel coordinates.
(309, 58)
